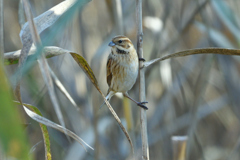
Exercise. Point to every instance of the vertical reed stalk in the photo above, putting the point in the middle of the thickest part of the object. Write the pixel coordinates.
(143, 118)
(179, 147)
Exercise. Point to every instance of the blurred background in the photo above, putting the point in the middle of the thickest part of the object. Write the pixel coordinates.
(195, 95)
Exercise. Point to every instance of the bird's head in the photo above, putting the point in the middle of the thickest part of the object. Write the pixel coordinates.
(121, 44)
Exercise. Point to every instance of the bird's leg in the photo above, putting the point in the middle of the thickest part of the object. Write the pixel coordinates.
(141, 104)
(141, 59)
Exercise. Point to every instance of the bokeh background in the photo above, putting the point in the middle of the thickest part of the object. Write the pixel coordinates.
(195, 95)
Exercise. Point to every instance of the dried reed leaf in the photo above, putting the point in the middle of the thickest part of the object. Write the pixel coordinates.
(47, 18)
(43, 65)
(43, 22)
(222, 51)
(51, 124)
(49, 51)
(48, 155)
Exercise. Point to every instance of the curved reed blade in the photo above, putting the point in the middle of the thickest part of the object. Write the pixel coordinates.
(48, 51)
(51, 124)
(48, 155)
(222, 51)
(43, 65)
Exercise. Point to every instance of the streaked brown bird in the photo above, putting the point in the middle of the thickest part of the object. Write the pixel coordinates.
(122, 68)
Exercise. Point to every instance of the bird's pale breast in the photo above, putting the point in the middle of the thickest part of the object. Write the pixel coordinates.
(124, 72)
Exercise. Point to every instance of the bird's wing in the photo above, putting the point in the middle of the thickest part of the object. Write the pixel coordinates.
(109, 72)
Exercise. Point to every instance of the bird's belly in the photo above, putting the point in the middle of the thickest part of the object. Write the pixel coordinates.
(126, 79)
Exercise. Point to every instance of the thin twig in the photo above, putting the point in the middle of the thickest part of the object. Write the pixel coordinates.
(143, 119)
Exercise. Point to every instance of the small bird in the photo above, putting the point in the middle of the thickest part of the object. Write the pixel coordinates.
(122, 68)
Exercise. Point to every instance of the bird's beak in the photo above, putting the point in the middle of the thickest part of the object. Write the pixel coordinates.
(111, 44)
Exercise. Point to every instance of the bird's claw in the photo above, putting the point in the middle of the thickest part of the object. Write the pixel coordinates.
(141, 104)
(142, 59)
(144, 102)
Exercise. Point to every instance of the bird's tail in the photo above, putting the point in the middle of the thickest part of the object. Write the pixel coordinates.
(108, 97)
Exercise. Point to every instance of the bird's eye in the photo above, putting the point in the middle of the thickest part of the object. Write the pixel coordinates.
(120, 41)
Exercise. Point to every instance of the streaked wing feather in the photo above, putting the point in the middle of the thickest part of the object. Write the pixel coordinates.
(109, 72)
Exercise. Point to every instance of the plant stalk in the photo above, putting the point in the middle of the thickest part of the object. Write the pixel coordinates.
(142, 97)
(179, 147)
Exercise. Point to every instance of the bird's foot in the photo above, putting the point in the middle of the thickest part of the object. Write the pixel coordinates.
(141, 104)
(142, 59)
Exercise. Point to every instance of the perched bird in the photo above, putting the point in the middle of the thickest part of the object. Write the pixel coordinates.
(122, 68)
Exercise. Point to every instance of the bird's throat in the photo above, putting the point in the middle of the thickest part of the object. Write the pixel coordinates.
(120, 51)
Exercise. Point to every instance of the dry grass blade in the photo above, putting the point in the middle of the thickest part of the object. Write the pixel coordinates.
(62, 88)
(48, 52)
(43, 64)
(34, 35)
(87, 69)
(118, 121)
(48, 155)
(27, 43)
(42, 22)
(51, 124)
(222, 51)
(48, 18)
